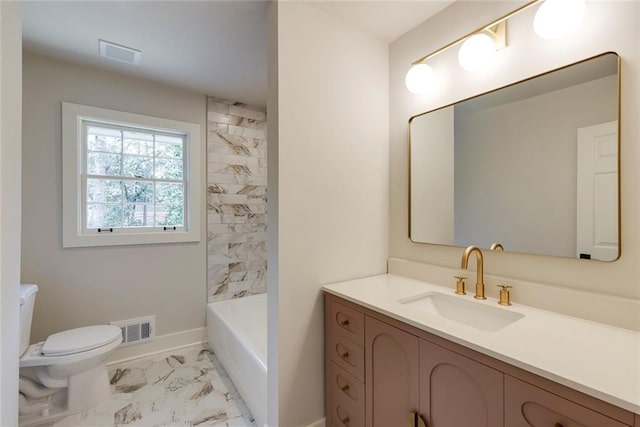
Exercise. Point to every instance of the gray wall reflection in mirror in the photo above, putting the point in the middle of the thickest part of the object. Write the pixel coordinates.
(533, 166)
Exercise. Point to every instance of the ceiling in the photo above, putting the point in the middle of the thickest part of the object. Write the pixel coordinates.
(212, 47)
(386, 20)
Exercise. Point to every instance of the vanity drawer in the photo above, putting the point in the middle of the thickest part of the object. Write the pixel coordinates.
(347, 321)
(344, 410)
(346, 389)
(529, 406)
(346, 355)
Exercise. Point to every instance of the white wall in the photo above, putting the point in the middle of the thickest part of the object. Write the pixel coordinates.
(332, 186)
(516, 164)
(10, 141)
(83, 286)
(607, 26)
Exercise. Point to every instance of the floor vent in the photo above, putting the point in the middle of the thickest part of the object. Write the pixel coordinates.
(137, 330)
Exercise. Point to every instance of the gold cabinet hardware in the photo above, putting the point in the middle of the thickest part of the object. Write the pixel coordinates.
(415, 420)
(411, 419)
(345, 388)
(460, 285)
(505, 298)
(345, 421)
(344, 322)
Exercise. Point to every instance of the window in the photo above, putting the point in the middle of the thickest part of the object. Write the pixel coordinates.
(128, 179)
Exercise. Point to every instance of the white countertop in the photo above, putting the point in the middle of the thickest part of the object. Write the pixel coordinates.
(600, 360)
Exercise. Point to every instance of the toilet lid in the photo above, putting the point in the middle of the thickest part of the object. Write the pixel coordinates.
(80, 339)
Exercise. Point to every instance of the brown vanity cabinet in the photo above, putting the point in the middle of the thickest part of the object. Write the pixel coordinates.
(457, 391)
(529, 406)
(392, 374)
(379, 371)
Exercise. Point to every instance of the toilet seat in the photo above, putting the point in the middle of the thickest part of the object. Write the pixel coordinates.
(79, 340)
(33, 355)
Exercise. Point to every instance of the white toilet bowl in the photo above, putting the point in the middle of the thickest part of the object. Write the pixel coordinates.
(66, 373)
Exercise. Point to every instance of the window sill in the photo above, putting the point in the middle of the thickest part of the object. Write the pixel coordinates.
(121, 239)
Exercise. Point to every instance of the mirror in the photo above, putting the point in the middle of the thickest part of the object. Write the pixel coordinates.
(532, 166)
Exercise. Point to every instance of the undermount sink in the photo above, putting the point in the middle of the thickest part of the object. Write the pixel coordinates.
(470, 313)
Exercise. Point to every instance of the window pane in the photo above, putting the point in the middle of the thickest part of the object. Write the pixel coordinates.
(104, 190)
(138, 192)
(169, 215)
(103, 139)
(138, 143)
(138, 215)
(103, 164)
(170, 150)
(169, 193)
(104, 215)
(168, 169)
(137, 166)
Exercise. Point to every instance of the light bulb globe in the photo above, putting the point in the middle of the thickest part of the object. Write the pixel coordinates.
(477, 52)
(419, 79)
(557, 18)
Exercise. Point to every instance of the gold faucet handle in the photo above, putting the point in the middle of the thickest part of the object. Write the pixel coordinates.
(504, 294)
(460, 285)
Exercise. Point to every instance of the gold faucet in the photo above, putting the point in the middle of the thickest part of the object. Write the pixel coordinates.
(497, 247)
(464, 264)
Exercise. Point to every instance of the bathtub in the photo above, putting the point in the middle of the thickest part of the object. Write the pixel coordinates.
(237, 332)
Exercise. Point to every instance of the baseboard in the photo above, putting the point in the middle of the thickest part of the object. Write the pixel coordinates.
(319, 423)
(159, 344)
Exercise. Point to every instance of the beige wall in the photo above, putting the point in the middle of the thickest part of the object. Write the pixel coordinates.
(526, 55)
(332, 186)
(10, 142)
(83, 286)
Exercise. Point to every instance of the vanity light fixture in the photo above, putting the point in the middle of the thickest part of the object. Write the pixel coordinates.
(420, 79)
(477, 52)
(554, 19)
(557, 18)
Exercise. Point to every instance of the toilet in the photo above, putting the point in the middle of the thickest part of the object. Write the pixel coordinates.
(65, 374)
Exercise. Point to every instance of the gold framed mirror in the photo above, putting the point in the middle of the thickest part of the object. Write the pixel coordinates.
(533, 166)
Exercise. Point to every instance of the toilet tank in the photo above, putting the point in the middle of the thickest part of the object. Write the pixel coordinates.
(27, 302)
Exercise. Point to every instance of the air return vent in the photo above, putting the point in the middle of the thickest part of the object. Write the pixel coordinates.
(118, 52)
(137, 330)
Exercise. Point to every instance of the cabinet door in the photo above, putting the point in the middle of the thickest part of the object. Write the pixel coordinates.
(391, 379)
(530, 406)
(457, 391)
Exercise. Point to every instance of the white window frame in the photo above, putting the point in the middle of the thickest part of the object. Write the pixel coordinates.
(74, 117)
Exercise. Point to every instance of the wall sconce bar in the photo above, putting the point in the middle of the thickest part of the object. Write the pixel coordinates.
(493, 28)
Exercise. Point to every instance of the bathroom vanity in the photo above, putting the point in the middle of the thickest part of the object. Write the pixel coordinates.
(401, 352)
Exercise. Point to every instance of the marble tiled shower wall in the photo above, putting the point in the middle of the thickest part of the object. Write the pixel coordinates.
(236, 200)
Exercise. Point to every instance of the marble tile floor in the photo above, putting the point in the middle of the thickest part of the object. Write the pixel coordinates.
(182, 388)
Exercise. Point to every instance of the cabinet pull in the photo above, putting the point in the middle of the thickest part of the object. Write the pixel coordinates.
(344, 420)
(345, 388)
(411, 419)
(421, 422)
(344, 322)
(345, 355)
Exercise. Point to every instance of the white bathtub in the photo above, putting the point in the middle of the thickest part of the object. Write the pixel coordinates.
(237, 332)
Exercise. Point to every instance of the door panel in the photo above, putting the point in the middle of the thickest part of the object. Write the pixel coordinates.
(456, 391)
(391, 383)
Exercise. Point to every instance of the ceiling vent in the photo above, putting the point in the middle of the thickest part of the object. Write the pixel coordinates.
(118, 52)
